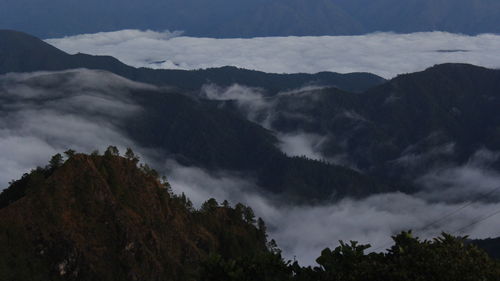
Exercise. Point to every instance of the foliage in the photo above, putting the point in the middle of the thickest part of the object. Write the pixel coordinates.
(56, 161)
(265, 266)
(441, 259)
(112, 151)
(70, 153)
(216, 242)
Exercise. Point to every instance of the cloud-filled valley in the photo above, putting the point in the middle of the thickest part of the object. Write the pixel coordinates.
(45, 113)
(384, 54)
(251, 140)
(304, 230)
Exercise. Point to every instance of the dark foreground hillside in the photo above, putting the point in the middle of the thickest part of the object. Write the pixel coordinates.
(105, 218)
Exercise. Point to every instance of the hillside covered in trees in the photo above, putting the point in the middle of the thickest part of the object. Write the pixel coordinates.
(107, 217)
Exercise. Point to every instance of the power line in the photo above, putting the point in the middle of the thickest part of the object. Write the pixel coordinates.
(450, 214)
(456, 231)
(478, 221)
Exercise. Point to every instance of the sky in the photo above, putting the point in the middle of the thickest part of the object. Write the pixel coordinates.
(50, 112)
(384, 54)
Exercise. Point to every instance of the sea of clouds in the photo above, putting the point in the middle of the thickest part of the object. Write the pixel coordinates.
(384, 54)
(48, 112)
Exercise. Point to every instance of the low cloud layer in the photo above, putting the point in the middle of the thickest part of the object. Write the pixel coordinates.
(303, 231)
(452, 198)
(473, 181)
(46, 113)
(259, 108)
(385, 54)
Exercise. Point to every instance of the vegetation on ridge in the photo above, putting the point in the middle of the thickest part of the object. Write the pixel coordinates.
(108, 218)
(105, 217)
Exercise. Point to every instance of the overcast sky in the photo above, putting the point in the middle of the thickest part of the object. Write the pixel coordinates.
(385, 54)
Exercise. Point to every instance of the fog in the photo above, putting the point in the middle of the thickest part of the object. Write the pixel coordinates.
(45, 113)
(303, 231)
(384, 54)
(256, 106)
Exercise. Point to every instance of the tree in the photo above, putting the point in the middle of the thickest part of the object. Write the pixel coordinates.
(112, 151)
(185, 202)
(346, 262)
(70, 153)
(130, 155)
(210, 205)
(261, 226)
(446, 258)
(249, 215)
(167, 185)
(149, 171)
(56, 161)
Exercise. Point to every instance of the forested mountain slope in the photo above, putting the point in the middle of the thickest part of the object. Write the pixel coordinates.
(397, 130)
(105, 218)
(96, 217)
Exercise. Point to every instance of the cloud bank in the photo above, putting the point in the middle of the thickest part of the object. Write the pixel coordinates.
(384, 54)
(44, 113)
(259, 108)
(303, 231)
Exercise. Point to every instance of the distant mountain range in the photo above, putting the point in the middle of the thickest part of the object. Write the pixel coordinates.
(375, 136)
(400, 129)
(20, 52)
(383, 137)
(193, 131)
(247, 18)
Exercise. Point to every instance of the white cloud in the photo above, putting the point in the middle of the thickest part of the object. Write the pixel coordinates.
(473, 181)
(46, 113)
(257, 107)
(385, 54)
(303, 231)
(302, 144)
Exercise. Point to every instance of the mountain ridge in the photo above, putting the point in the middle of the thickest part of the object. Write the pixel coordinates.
(397, 129)
(102, 217)
(20, 52)
(96, 217)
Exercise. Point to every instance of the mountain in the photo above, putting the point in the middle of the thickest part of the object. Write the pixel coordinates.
(193, 131)
(245, 18)
(101, 108)
(20, 52)
(94, 217)
(491, 246)
(104, 218)
(398, 130)
(392, 133)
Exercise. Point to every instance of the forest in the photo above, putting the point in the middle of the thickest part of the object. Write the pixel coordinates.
(111, 217)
